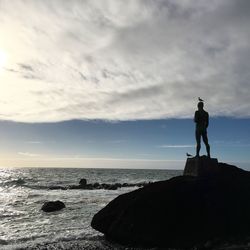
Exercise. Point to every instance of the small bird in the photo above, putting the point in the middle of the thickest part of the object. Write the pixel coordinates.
(200, 100)
(188, 155)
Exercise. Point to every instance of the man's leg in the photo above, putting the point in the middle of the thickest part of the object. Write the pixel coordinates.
(198, 142)
(205, 140)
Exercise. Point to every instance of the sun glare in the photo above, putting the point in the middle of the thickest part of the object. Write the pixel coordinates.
(3, 58)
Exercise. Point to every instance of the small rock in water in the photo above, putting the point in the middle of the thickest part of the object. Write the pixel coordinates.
(51, 206)
(20, 181)
(83, 182)
(96, 185)
(3, 242)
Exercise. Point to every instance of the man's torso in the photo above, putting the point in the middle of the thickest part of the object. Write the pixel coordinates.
(201, 117)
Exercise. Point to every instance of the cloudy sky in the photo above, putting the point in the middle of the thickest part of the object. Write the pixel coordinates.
(94, 82)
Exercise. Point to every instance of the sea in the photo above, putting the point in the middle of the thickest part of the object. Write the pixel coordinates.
(23, 191)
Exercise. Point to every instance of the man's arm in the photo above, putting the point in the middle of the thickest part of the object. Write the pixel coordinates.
(207, 122)
(196, 116)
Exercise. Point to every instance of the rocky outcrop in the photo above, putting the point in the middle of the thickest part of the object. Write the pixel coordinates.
(51, 206)
(182, 212)
(92, 186)
(83, 182)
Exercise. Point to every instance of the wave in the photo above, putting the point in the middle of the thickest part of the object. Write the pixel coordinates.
(17, 182)
(64, 242)
(80, 243)
(91, 186)
(39, 187)
(22, 183)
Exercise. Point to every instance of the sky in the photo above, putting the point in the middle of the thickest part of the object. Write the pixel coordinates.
(115, 83)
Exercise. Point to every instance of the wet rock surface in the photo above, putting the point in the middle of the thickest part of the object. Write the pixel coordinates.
(51, 206)
(83, 182)
(183, 212)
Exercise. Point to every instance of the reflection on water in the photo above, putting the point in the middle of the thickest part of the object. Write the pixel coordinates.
(22, 221)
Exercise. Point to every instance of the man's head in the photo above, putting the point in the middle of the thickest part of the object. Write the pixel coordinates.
(200, 105)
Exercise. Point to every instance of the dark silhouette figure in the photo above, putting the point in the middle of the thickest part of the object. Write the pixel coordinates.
(201, 118)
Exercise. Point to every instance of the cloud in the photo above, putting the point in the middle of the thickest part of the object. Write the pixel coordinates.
(229, 143)
(28, 154)
(26, 67)
(177, 146)
(34, 142)
(123, 60)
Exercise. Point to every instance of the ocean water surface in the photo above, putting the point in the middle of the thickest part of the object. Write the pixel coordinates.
(24, 190)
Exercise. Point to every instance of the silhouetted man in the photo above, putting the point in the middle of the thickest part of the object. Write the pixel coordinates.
(201, 118)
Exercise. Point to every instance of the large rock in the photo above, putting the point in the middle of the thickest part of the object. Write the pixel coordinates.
(184, 211)
(51, 206)
(201, 166)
